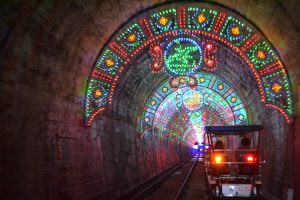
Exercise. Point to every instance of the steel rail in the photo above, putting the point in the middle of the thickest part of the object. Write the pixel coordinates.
(151, 187)
(183, 184)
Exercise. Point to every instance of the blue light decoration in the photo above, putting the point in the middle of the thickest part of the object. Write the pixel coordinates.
(201, 18)
(235, 31)
(109, 62)
(163, 21)
(175, 120)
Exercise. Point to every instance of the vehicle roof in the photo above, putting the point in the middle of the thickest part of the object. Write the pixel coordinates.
(232, 130)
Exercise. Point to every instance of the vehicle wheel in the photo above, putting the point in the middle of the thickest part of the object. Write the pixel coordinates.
(213, 189)
(258, 192)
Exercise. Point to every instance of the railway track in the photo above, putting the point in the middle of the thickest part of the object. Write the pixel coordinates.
(173, 184)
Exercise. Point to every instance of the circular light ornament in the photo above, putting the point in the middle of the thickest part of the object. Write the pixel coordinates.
(183, 57)
(192, 100)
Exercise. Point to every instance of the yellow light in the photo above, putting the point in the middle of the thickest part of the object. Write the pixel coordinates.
(109, 62)
(276, 87)
(153, 102)
(98, 93)
(163, 21)
(218, 159)
(261, 54)
(233, 99)
(201, 18)
(202, 79)
(131, 38)
(220, 87)
(235, 30)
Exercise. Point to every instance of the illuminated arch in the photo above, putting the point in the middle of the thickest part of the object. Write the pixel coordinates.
(155, 28)
(165, 112)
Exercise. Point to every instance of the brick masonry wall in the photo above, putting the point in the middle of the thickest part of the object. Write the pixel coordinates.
(47, 50)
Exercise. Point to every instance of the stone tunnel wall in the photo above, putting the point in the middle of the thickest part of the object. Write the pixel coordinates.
(47, 50)
(276, 138)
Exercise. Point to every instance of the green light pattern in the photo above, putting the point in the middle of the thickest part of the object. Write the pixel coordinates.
(216, 110)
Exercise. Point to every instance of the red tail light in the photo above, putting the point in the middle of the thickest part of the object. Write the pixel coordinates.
(250, 158)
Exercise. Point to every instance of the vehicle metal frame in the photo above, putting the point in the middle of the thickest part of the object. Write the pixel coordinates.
(232, 184)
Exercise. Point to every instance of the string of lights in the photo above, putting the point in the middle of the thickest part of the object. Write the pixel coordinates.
(176, 34)
(186, 111)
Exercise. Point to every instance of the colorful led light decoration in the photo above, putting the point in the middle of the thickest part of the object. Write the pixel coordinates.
(163, 21)
(192, 100)
(156, 58)
(177, 29)
(182, 113)
(201, 18)
(210, 58)
(183, 56)
(235, 31)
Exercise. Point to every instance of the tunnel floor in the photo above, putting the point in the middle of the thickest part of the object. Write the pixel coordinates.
(196, 188)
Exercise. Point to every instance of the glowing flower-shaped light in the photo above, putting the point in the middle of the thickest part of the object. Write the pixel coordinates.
(192, 100)
(201, 18)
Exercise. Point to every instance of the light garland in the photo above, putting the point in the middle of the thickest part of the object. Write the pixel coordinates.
(188, 23)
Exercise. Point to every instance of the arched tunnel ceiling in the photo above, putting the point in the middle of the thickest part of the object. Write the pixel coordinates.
(180, 114)
(48, 53)
(197, 24)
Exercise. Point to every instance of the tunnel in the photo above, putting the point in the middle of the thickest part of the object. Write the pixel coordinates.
(99, 97)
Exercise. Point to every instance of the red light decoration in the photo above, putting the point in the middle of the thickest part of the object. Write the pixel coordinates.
(192, 82)
(182, 17)
(219, 22)
(157, 58)
(102, 76)
(250, 42)
(209, 57)
(174, 82)
(118, 49)
(146, 27)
